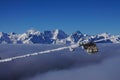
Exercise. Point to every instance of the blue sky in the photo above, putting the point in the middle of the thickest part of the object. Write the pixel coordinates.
(88, 16)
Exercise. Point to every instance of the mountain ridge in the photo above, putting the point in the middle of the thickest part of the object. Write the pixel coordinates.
(55, 37)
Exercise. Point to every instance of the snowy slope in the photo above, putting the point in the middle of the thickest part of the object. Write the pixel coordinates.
(55, 37)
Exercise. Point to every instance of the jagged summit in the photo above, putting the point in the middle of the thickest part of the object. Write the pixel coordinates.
(76, 36)
(33, 32)
(78, 32)
(57, 36)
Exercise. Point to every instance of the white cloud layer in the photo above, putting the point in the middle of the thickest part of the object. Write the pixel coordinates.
(109, 69)
(65, 65)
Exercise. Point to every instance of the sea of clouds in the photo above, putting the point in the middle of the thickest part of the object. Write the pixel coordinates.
(62, 65)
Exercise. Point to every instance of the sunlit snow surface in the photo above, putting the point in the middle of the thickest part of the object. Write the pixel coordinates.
(61, 64)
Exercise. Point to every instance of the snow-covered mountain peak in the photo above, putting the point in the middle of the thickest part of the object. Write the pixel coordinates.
(59, 34)
(104, 34)
(2, 34)
(78, 32)
(33, 31)
(74, 37)
(58, 31)
(12, 33)
(23, 36)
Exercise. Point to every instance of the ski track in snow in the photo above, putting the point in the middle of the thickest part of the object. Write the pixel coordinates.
(38, 53)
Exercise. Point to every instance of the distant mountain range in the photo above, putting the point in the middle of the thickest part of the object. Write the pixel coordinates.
(55, 37)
